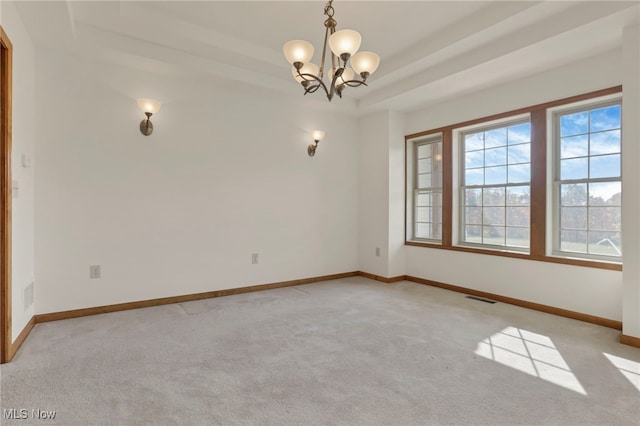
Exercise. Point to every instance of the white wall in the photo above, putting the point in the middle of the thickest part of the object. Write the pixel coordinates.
(225, 174)
(631, 189)
(381, 194)
(586, 290)
(373, 194)
(23, 139)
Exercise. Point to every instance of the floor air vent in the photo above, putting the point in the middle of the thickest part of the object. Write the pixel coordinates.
(480, 299)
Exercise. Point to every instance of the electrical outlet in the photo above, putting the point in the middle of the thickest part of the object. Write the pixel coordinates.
(94, 271)
(378, 251)
(254, 258)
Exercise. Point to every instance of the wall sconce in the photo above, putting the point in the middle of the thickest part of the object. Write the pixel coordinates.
(317, 136)
(149, 107)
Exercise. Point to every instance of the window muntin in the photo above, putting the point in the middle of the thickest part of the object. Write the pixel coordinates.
(427, 189)
(495, 185)
(588, 181)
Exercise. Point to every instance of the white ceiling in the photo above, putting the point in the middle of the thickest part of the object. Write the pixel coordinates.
(430, 50)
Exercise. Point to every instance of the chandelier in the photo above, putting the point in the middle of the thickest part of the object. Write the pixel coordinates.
(343, 47)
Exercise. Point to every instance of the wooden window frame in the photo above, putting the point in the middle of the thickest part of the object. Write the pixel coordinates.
(538, 226)
(412, 183)
(463, 185)
(556, 180)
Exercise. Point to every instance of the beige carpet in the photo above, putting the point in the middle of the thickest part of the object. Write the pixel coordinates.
(348, 352)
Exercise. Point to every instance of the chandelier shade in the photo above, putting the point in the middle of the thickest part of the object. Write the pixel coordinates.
(365, 62)
(340, 49)
(298, 51)
(345, 41)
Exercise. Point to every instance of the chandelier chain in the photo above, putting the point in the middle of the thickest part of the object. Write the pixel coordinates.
(328, 9)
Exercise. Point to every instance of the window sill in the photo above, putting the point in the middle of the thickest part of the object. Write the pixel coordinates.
(612, 266)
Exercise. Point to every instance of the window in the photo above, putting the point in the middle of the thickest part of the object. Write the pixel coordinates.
(427, 188)
(588, 181)
(541, 183)
(495, 185)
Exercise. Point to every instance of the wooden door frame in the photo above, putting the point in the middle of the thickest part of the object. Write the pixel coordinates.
(6, 69)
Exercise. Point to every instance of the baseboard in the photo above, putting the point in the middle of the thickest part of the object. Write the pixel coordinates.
(13, 349)
(630, 340)
(381, 278)
(617, 325)
(76, 313)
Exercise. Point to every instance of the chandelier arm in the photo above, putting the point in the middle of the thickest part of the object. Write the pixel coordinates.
(311, 89)
(355, 83)
(320, 83)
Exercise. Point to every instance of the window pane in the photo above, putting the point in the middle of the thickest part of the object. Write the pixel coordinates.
(422, 230)
(520, 153)
(573, 241)
(494, 197)
(574, 194)
(424, 165)
(424, 150)
(574, 124)
(423, 214)
(495, 175)
(474, 141)
(473, 215)
(518, 196)
(473, 234)
(574, 146)
(520, 133)
(494, 235)
(423, 199)
(473, 197)
(493, 216)
(495, 157)
(518, 237)
(577, 168)
(518, 216)
(605, 194)
(605, 218)
(605, 243)
(474, 159)
(495, 138)
(519, 173)
(424, 180)
(474, 177)
(573, 218)
(605, 142)
(605, 166)
(605, 118)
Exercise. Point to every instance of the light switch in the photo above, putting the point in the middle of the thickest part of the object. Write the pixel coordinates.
(26, 161)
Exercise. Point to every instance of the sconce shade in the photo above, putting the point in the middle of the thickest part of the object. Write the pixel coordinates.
(345, 41)
(298, 51)
(317, 135)
(308, 68)
(365, 62)
(149, 105)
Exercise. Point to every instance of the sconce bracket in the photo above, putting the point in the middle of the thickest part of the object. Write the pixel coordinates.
(311, 150)
(146, 127)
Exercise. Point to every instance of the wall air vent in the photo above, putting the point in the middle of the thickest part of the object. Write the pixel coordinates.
(481, 299)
